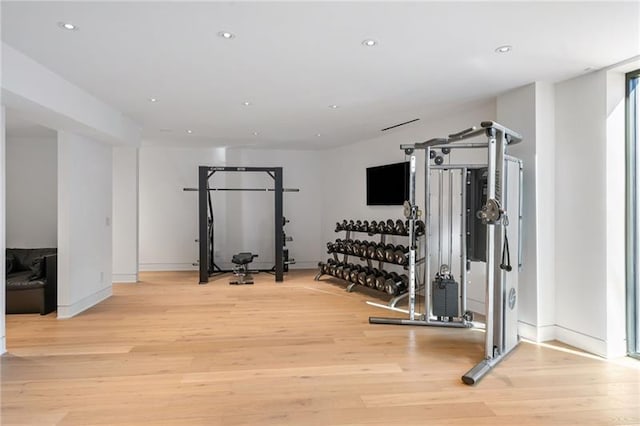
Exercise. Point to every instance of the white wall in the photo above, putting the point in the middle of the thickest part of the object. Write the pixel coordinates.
(244, 220)
(590, 215)
(344, 188)
(32, 192)
(529, 110)
(125, 214)
(84, 223)
(3, 276)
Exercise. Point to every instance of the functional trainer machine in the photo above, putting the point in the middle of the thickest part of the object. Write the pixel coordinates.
(500, 204)
(206, 240)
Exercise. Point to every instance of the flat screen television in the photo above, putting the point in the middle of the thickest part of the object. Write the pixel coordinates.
(388, 185)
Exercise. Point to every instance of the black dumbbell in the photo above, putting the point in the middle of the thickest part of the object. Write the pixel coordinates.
(380, 280)
(364, 246)
(365, 226)
(346, 271)
(338, 271)
(420, 227)
(391, 226)
(400, 228)
(373, 227)
(438, 160)
(349, 226)
(371, 278)
(343, 225)
(390, 283)
(381, 251)
(353, 274)
(362, 276)
(338, 227)
(371, 250)
(390, 254)
(346, 246)
(446, 150)
(396, 284)
(400, 255)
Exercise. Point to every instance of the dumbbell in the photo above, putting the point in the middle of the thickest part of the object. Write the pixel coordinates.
(364, 246)
(390, 283)
(365, 226)
(373, 227)
(381, 251)
(391, 226)
(339, 227)
(400, 255)
(371, 250)
(420, 227)
(362, 276)
(338, 271)
(346, 271)
(396, 284)
(357, 226)
(346, 246)
(400, 228)
(381, 280)
(325, 267)
(390, 253)
(351, 226)
(371, 278)
(353, 274)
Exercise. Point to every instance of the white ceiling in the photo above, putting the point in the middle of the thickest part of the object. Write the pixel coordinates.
(292, 60)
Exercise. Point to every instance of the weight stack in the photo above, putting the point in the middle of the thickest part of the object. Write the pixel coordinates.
(444, 294)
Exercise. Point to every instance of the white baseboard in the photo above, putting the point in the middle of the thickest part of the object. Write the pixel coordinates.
(536, 333)
(124, 278)
(581, 341)
(3, 345)
(157, 267)
(69, 311)
(304, 265)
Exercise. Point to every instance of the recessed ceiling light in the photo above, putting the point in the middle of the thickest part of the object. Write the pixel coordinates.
(318, 134)
(226, 34)
(333, 106)
(369, 42)
(153, 99)
(189, 131)
(246, 103)
(68, 26)
(503, 49)
(255, 133)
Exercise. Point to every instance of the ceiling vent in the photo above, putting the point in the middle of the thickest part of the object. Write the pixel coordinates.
(399, 124)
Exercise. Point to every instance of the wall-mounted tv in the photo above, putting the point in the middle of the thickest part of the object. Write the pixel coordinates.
(388, 185)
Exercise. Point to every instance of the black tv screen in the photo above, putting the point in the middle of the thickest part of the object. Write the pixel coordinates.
(388, 185)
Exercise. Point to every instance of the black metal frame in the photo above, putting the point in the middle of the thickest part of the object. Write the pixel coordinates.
(205, 219)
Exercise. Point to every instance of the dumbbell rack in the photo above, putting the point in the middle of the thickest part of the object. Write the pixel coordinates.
(369, 262)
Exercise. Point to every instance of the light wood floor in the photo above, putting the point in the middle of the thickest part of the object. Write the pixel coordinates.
(169, 351)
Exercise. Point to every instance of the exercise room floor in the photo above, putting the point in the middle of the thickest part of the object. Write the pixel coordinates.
(170, 351)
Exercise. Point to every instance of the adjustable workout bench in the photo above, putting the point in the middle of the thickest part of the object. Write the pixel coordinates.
(241, 271)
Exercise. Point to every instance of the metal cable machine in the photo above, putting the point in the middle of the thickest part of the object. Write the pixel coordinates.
(503, 199)
(206, 241)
